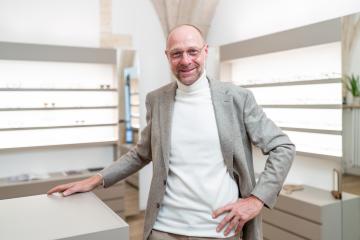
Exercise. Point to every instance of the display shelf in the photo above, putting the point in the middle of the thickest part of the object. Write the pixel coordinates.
(52, 53)
(310, 106)
(351, 106)
(312, 130)
(320, 156)
(300, 74)
(61, 89)
(292, 83)
(55, 108)
(102, 143)
(314, 34)
(55, 127)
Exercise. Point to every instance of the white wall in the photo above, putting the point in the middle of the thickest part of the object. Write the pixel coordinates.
(237, 20)
(61, 22)
(139, 18)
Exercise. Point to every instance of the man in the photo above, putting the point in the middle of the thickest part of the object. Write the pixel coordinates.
(199, 136)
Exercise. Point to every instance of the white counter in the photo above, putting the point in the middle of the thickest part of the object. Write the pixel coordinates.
(80, 216)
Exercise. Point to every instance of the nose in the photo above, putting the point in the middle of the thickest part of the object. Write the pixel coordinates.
(185, 59)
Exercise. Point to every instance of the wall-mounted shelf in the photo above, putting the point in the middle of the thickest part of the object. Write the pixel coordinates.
(52, 53)
(46, 96)
(84, 144)
(309, 106)
(55, 127)
(61, 89)
(351, 106)
(310, 35)
(312, 130)
(292, 83)
(289, 73)
(316, 155)
(56, 108)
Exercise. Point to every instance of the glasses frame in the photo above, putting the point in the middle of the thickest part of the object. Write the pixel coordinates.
(168, 53)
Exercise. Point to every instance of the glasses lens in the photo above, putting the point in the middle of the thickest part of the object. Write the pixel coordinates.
(191, 52)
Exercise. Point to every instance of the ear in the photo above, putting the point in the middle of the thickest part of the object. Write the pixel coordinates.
(166, 54)
(206, 49)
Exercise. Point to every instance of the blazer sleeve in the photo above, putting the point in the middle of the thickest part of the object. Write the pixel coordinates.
(135, 159)
(264, 134)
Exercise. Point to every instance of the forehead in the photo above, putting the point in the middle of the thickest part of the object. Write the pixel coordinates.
(183, 38)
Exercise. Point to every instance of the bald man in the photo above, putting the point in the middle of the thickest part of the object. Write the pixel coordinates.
(198, 136)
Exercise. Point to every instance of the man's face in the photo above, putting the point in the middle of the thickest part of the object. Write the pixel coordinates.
(186, 52)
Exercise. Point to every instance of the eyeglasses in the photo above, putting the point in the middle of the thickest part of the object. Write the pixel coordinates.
(192, 53)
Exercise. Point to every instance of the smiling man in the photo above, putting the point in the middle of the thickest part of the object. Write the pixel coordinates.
(199, 136)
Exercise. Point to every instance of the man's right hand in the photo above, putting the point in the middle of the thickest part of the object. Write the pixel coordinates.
(85, 185)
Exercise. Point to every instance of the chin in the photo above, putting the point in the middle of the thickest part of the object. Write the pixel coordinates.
(187, 81)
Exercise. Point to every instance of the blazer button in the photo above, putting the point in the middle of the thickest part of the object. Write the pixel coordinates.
(158, 205)
(164, 182)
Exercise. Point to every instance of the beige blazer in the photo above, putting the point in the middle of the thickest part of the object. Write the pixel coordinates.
(241, 123)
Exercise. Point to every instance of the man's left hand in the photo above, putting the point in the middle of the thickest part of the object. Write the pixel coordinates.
(239, 213)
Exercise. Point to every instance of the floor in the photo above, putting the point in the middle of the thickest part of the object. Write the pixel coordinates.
(136, 224)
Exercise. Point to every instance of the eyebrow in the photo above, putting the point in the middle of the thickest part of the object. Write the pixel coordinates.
(180, 49)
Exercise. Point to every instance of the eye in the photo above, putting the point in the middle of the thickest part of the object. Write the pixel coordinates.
(176, 54)
(193, 52)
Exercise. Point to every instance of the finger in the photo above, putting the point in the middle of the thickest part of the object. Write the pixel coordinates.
(221, 210)
(238, 229)
(59, 188)
(226, 219)
(239, 226)
(234, 222)
(70, 191)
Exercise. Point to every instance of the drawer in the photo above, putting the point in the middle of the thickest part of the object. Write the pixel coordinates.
(291, 223)
(274, 233)
(299, 208)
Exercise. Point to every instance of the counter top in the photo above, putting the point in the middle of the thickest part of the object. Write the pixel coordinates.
(80, 216)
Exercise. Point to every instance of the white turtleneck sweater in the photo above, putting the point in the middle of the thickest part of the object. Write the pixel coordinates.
(198, 182)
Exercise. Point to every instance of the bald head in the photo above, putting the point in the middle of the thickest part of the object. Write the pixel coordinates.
(186, 51)
(183, 33)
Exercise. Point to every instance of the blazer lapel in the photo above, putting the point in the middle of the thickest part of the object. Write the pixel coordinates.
(223, 108)
(166, 111)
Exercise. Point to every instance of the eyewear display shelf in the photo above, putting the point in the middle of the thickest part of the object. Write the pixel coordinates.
(288, 87)
(40, 111)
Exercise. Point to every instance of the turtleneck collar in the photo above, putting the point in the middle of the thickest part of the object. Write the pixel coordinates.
(199, 84)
